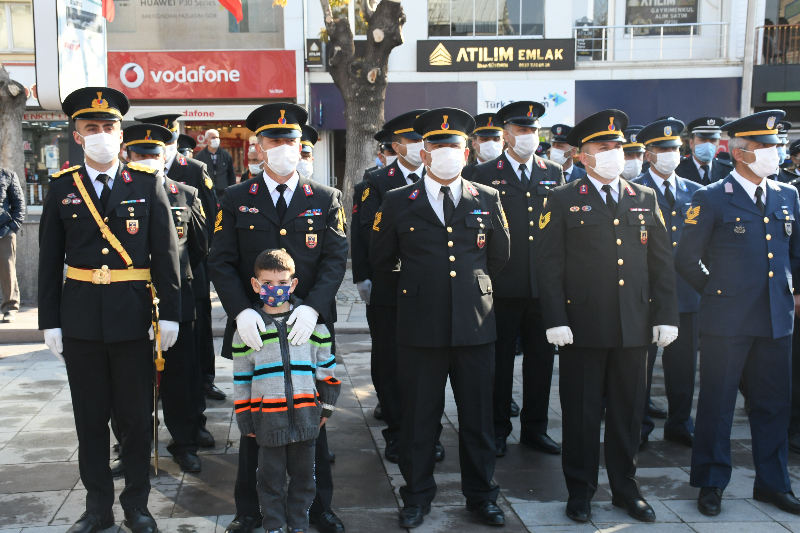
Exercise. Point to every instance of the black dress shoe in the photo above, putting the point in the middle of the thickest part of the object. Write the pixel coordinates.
(91, 523)
(709, 502)
(244, 524)
(117, 468)
(392, 451)
(794, 443)
(204, 438)
(514, 409)
(488, 512)
(500, 446)
(579, 509)
(326, 521)
(189, 462)
(413, 515)
(378, 412)
(656, 412)
(687, 439)
(213, 392)
(331, 457)
(541, 442)
(140, 521)
(637, 509)
(438, 454)
(785, 501)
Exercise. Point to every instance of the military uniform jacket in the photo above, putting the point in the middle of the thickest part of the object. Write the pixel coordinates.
(522, 207)
(787, 176)
(688, 170)
(688, 298)
(576, 174)
(194, 174)
(600, 273)
(187, 216)
(138, 215)
(750, 258)
(444, 291)
(359, 248)
(468, 171)
(313, 232)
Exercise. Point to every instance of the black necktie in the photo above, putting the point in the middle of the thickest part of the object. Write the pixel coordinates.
(522, 177)
(449, 206)
(566, 177)
(104, 195)
(668, 195)
(413, 177)
(281, 205)
(704, 178)
(759, 201)
(610, 202)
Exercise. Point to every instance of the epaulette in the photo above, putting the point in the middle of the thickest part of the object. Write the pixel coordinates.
(141, 168)
(62, 172)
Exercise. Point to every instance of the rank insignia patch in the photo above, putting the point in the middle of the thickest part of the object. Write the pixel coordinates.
(311, 240)
(253, 188)
(307, 189)
(629, 190)
(126, 176)
(542, 165)
(133, 226)
(584, 189)
(218, 222)
(543, 220)
(472, 190)
(182, 160)
(173, 188)
(375, 224)
(391, 172)
(500, 164)
(414, 194)
(692, 214)
(365, 194)
(481, 240)
(729, 188)
(355, 208)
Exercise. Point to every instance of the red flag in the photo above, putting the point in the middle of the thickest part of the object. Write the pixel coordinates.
(234, 6)
(108, 10)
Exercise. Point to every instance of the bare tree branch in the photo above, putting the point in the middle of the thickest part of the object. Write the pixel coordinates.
(367, 9)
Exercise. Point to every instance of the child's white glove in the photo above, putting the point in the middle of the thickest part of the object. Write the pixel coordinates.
(53, 340)
(249, 323)
(303, 320)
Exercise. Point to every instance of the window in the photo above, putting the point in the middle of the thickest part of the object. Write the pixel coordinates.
(16, 27)
(475, 18)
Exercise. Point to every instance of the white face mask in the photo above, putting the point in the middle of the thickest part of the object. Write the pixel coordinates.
(157, 164)
(282, 160)
(558, 156)
(633, 167)
(254, 169)
(214, 143)
(305, 168)
(412, 156)
(490, 149)
(446, 163)
(525, 145)
(666, 162)
(609, 164)
(390, 159)
(766, 162)
(101, 147)
(170, 151)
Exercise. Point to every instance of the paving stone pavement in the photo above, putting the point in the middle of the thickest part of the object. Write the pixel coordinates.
(40, 490)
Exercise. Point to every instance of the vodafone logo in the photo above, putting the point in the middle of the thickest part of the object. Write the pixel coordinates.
(131, 75)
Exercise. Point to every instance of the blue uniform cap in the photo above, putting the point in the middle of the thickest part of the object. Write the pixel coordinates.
(706, 127)
(664, 133)
(761, 127)
(632, 144)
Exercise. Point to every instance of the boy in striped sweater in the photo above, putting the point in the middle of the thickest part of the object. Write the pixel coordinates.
(283, 395)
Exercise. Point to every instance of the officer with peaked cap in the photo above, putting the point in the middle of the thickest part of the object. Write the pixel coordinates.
(451, 238)
(306, 164)
(783, 134)
(487, 142)
(607, 288)
(634, 153)
(543, 149)
(702, 166)
(186, 145)
(562, 153)
(662, 140)
(794, 421)
(181, 394)
(279, 209)
(111, 225)
(523, 179)
(744, 229)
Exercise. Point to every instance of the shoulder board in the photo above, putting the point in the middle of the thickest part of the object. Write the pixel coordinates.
(62, 172)
(141, 168)
(774, 185)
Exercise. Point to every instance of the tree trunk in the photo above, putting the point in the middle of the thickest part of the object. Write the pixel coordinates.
(12, 106)
(362, 81)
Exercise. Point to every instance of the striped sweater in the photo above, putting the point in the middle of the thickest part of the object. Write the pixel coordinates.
(280, 391)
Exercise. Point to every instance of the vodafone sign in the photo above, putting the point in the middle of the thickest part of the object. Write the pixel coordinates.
(203, 75)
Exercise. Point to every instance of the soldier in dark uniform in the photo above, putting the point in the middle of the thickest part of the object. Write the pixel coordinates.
(451, 238)
(634, 153)
(523, 180)
(279, 209)
(564, 153)
(794, 421)
(679, 359)
(607, 288)
(112, 226)
(794, 156)
(745, 231)
(186, 145)
(783, 135)
(542, 150)
(180, 379)
(486, 131)
(703, 166)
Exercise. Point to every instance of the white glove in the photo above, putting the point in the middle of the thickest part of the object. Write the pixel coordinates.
(364, 290)
(169, 333)
(559, 336)
(304, 319)
(249, 323)
(52, 338)
(664, 335)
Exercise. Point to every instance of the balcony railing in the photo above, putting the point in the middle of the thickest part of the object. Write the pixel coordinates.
(778, 45)
(652, 42)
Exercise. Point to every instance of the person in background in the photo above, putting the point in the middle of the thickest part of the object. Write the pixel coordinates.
(306, 164)
(487, 140)
(543, 150)
(784, 176)
(634, 153)
(186, 145)
(12, 213)
(253, 164)
(563, 153)
(703, 166)
(218, 161)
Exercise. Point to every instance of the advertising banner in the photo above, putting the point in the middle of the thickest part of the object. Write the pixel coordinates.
(495, 55)
(557, 97)
(638, 12)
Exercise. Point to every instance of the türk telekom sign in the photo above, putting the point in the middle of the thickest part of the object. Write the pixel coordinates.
(203, 75)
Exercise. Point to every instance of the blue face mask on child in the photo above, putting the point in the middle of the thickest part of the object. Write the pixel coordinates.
(274, 295)
(705, 152)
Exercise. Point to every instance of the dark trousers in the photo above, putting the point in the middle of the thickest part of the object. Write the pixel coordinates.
(102, 374)
(202, 328)
(515, 315)
(766, 364)
(390, 395)
(374, 363)
(794, 423)
(584, 373)
(278, 505)
(180, 390)
(423, 376)
(679, 361)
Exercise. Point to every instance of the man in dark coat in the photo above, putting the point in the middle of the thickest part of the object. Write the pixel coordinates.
(218, 161)
(12, 213)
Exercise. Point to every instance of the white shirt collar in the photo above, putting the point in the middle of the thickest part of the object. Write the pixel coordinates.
(515, 164)
(291, 184)
(435, 188)
(660, 181)
(406, 172)
(698, 165)
(111, 172)
(750, 187)
(599, 186)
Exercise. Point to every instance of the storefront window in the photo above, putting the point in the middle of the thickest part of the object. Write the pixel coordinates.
(46, 149)
(234, 137)
(16, 26)
(467, 18)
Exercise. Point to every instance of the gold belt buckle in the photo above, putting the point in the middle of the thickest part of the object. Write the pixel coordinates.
(101, 276)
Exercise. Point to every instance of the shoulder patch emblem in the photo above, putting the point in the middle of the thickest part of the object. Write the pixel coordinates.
(542, 165)
(472, 190)
(391, 172)
(729, 188)
(126, 176)
(62, 172)
(500, 164)
(253, 188)
(307, 189)
(544, 219)
(414, 194)
(365, 194)
(629, 190)
(375, 224)
(218, 222)
(584, 189)
(173, 188)
(692, 214)
(182, 160)
(141, 168)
